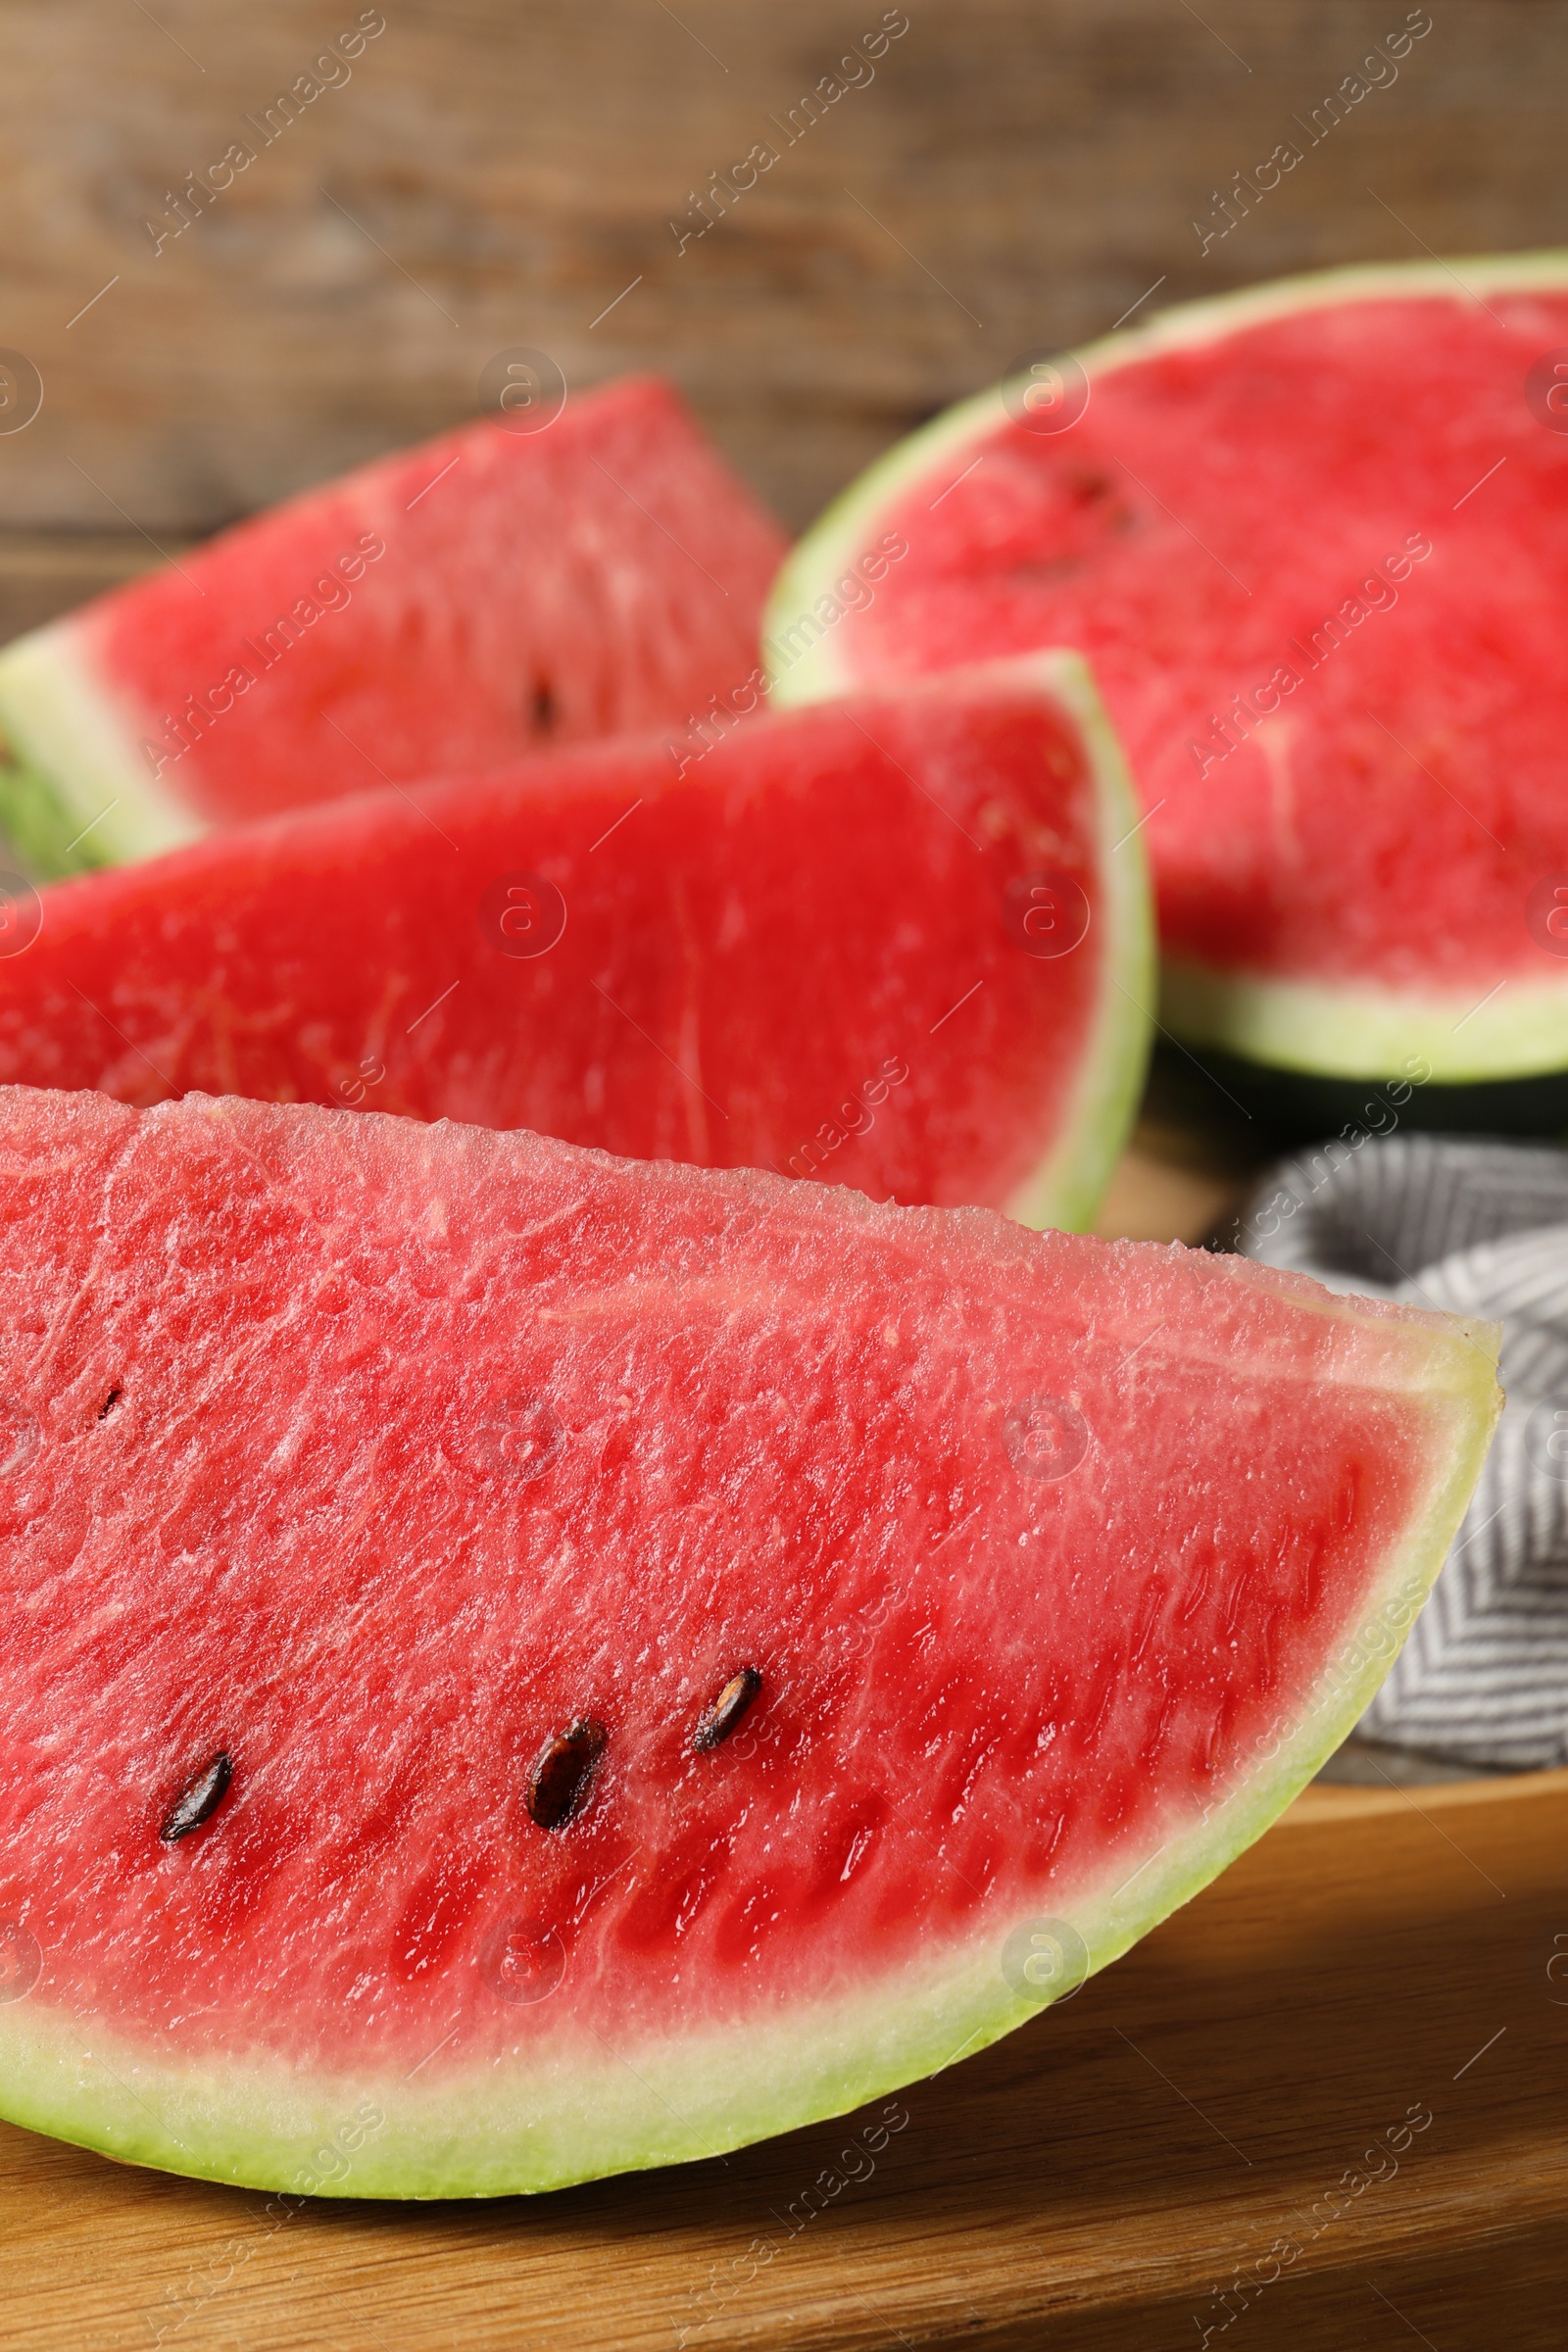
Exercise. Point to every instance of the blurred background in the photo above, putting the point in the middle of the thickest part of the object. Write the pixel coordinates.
(955, 182)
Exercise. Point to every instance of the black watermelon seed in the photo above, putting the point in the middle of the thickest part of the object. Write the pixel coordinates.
(715, 1723)
(560, 1785)
(199, 1800)
(109, 1404)
(542, 710)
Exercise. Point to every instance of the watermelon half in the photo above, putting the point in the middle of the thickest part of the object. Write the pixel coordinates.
(521, 1664)
(901, 942)
(450, 607)
(1314, 540)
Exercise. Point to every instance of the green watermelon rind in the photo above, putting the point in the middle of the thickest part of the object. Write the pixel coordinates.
(1355, 1029)
(38, 826)
(1066, 1187)
(76, 765)
(264, 2127)
(1517, 1030)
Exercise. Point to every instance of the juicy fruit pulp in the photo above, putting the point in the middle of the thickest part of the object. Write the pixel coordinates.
(450, 607)
(826, 947)
(1313, 542)
(392, 1463)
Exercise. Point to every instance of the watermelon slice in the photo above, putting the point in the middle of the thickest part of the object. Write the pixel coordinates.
(1314, 541)
(448, 608)
(521, 1664)
(900, 942)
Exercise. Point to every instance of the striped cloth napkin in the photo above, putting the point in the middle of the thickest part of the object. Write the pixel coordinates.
(1477, 1229)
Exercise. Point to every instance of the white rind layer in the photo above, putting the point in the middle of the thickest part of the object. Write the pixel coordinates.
(1356, 1029)
(434, 2131)
(56, 714)
(1517, 1029)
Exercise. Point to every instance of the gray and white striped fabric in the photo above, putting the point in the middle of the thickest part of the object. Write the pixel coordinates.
(1476, 1228)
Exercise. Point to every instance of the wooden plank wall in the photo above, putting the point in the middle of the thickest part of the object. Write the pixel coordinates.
(479, 174)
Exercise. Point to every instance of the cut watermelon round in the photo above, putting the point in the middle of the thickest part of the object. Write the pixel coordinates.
(521, 1664)
(901, 942)
(1314, 540)
(446, 609)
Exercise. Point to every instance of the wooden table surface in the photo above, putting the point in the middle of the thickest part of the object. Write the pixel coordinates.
(1004, 175)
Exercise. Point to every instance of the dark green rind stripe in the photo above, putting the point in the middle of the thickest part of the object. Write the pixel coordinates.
(39, 828)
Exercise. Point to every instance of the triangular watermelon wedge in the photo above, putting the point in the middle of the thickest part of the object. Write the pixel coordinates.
(521, 1664)
(1313, 539)
(452, 607)
(900, 942)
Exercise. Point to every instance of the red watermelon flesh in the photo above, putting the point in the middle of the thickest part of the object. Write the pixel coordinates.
(1313, 542)
(448, 608)
(810, 951)
(375, 1495)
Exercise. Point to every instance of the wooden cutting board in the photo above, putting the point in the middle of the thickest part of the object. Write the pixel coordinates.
(1334, 2086)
